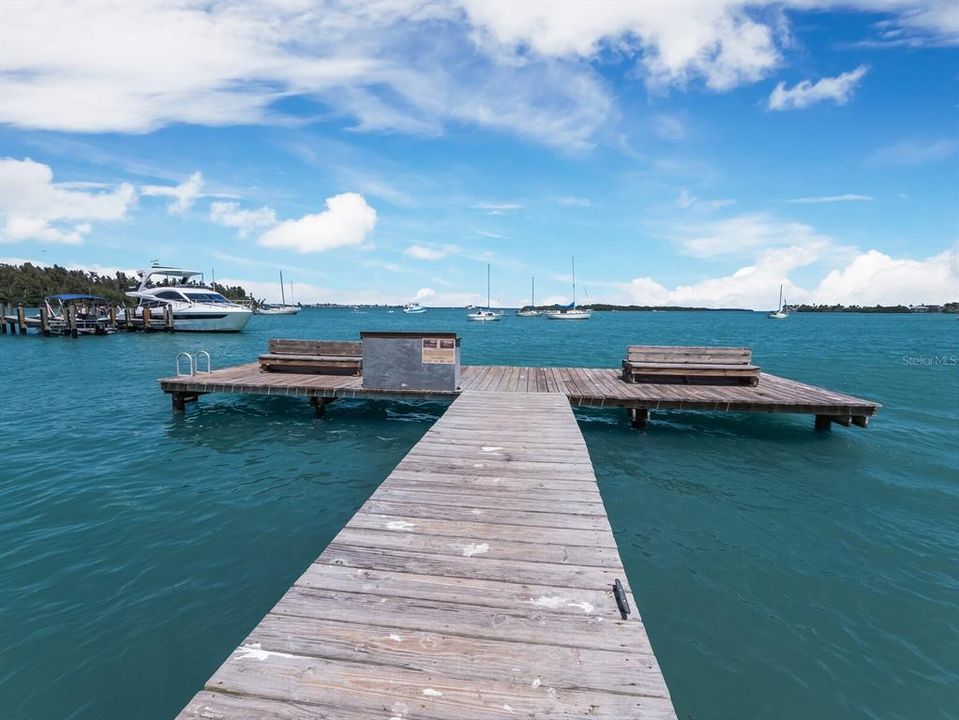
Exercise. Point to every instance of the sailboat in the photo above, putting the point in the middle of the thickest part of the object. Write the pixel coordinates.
(486, 315)
(530, 311)
(781, 313)
(569, 312)
(283, 309)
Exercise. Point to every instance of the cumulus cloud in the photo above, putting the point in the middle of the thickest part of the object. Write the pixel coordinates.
(838, 89)
(346, 221)
(424, 294)
(34, 207)
(230, 214)
(183, 195)
(869, 278)
(674, 42)
(427, 252)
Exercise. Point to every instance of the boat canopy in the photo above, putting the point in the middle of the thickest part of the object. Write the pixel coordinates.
(571, 306)
(67, 297)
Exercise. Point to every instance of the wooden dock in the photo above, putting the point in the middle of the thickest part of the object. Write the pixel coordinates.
(476, 582)
(586, 387)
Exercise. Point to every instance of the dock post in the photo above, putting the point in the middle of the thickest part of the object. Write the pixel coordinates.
(319, 405)
(860, 421)
(823, 422)
(127, 319)
(21, 320)
(147, 318)
(168, 318)
(638, 417)
(44, 321)
(4, 310)
(72, 320)
(113, 317)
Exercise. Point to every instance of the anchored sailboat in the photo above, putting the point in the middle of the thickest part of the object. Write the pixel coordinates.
(282, 309)
(531, 310)
(569, 312)
(781, 313)
(486, 315)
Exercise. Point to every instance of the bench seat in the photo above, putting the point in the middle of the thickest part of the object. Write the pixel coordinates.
(690, 365)
(313, 357)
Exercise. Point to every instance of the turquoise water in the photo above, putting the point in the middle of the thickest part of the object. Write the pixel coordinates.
(782, 573)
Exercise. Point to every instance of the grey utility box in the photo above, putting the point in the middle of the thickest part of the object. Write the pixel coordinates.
(411, 361)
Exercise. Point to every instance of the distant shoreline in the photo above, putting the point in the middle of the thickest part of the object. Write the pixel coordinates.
(598, 307)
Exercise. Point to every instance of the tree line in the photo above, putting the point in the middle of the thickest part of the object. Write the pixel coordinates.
(29, 284)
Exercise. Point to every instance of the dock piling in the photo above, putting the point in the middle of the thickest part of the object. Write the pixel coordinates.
(638, 417)
(319, 405)
(21, 320)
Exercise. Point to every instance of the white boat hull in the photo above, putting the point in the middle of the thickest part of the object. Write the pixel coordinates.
(777, 316)
(482, 317)
(569, 315)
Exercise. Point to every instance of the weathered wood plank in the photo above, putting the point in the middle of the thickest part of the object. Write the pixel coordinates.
(475, 582)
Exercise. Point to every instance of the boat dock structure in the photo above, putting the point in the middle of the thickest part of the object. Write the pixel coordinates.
(480, 580)
(582, 387)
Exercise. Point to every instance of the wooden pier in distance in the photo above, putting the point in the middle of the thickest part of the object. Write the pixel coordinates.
(584, 387)
(477, 581)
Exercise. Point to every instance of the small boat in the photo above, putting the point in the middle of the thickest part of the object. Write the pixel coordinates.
(530, 310)
(781, 313)
(486, 315)
(90, 311)
(282, 309)
(413, 308)
(195, 307)
(569, 312)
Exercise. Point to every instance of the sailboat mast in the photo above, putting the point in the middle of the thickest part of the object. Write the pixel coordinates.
(292, 297)
(282, 288)
(574, 282)
(780, 297)
(487, 286)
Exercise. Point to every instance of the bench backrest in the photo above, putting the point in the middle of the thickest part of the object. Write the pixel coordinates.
(345, 348)
(669, 354)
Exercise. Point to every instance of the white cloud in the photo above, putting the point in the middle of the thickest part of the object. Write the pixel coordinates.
(244, 220)
(876, 278)
(838, 89)
(716, 40)
(743, 234)
(137, 67)
(426, 252)
(34, 207)
(183, 195)
(573, 201)
(424, 294)
(687, 201)
(847, 197)
(668, 127)
(495, 236)
(913, 152)
(497, 208)
(869, 278)
(346, 221)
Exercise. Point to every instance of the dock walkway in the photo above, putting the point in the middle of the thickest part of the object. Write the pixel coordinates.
(583, 387)
(476, 582)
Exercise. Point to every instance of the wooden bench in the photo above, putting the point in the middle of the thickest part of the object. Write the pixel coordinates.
(689, 365)
(319, 357)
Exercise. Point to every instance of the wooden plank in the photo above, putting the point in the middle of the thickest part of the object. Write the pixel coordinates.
(476, 582)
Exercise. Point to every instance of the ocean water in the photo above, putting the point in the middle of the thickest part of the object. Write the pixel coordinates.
(782, 573)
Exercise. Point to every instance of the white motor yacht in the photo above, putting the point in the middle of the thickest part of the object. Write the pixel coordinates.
(413, 308)
(196, 308)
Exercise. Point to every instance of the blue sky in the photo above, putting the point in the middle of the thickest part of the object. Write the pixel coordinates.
(685, 153)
